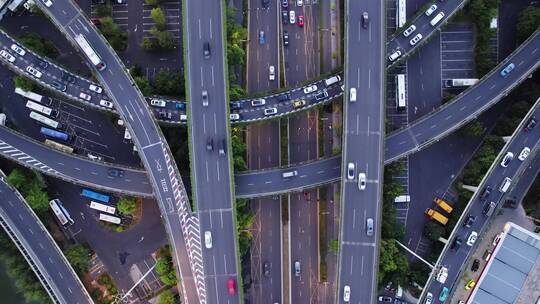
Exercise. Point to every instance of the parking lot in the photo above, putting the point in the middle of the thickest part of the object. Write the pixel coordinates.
(457, 55)
(391, 6)
(172, 11)
(119, 13)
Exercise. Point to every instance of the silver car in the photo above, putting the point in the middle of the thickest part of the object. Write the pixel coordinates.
(415, 39)
(409, 30)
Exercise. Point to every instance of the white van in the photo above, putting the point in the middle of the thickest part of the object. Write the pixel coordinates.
(402, 199)
(437, 19)
(442, 275)
(290, 174)
(330, 81)
(505, 185)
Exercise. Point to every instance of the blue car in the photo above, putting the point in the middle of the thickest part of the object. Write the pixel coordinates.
(237, 105)
(444, 294)
(507, 70)
(180, 105)
(262, 37)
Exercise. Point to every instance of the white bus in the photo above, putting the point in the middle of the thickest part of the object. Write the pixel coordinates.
(102, 207)
(33, 96)
(401, 13)
(461, 82)
(89, 52)
(45, 120)
(437, 18)
(401, 103)
(40, 108)
(109, 218)
(61, 213)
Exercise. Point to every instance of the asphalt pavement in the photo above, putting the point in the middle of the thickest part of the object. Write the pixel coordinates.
(363, 150)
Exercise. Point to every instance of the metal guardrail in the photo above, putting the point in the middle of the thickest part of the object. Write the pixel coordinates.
(26, 250)
(482, 185)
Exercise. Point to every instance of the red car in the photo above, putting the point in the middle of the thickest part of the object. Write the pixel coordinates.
(230, 284)
(301, 21)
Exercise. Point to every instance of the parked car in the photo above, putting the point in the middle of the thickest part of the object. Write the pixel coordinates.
(507, 159)
(470, 284)
(270, 111)
(59, 86)
(106, 103)
(299, 103)
(7, 56)
(456, 244)
(485, 193)
(429, 298)
(530, 124)
(475, 265)
(310, 89)
(95, 88)
(17, 49)
(258, 102)
(469, 221)
(47, 3)
(431, 9)
(444, 294)
(394, 55)
(524, 153)
(284, 17)
(385, 299)
(30, 70)
(285, 38)
(415, 39)
(409, 30)
(472, 238)
(158, 103)
(85, 96)
(292, 17)
(234, 116)
(236, 105)
(284, 3)
(301, 21)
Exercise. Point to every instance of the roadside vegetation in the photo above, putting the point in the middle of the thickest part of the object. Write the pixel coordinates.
(25, 83)
(32, 187)
(238, 148)
(166, 297)
(116, 37)
(165, 266)
(236, 54)
(528, 23)
(25, 280)
(166, 83)
(38, 44)
(79, 258)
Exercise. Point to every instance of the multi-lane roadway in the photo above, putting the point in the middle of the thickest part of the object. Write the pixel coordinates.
(362, 163)
(209, 133)
(36, 244)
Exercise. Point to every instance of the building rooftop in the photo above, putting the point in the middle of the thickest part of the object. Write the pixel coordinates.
(515, 261)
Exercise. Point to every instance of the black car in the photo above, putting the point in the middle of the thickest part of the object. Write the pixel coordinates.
(285, 38)
(321, 95)
(284, 97)
(284, 3)
(59, 86)
(237, 105)
(210, 144)
(206, 50)
(530, 124)
(113, 172)
(485, 193)
(68, 78)
(42, 64)
(266, 269)
(469, 221)
(456, 244)
(285, 17)
(475, 265)
(365, 20)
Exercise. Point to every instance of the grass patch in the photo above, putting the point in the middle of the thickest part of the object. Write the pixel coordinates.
(323, 242)
(284, 140)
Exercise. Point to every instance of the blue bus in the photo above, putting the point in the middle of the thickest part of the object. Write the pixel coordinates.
(53, 133)
(95, 196)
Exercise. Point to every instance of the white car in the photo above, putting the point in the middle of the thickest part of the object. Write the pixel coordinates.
(429, 298)
(85, 96)
(94, 157)
(17, 49)
(361, 181)
(310, 89)
(350, 171)
(204, 96)
(431, 9)
(346, 293)
(292, 17)
(33, 72)
(258, 102)
(472, 238)
(270, 111)
(352, 95)
(415, 39)
(524, 153)
(95, 88)
(47, 3)
(394, 55)
(507, 159)
(106, 103)
(208, 239)
(234, 116)
(409, 30)
(299, 2)
(7, 56)
(271, 73)
(158, 103)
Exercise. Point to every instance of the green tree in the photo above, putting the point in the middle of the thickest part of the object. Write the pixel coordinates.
(472, 129)
(529, 21)
(236, 55)
(169, 83)
(158, 15)
(392, 263)
(37, 199)
(165, 40)
(126, 205)
(154, 2)
(166, 297)
(433, 231)
(163, 265)
(103, 11)
(144, 85)
(17, 179)
(169, 278)
(236, 92)
(149, 45)
(24, 83)
(114, 35)
(79, 257)
(333, 245)
(39, 45)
